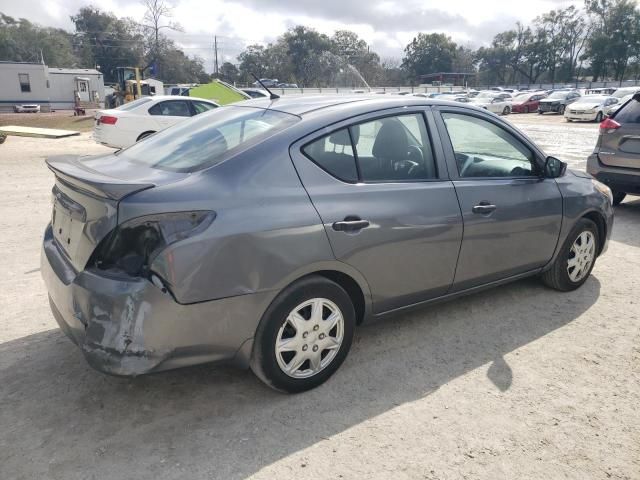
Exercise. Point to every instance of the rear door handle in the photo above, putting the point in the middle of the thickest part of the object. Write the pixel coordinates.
(483, 208)
(350, 224)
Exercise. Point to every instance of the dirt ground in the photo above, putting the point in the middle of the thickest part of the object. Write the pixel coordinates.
(519, 382)
(63, 119)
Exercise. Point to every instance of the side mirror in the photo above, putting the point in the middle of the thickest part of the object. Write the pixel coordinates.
(554, 168)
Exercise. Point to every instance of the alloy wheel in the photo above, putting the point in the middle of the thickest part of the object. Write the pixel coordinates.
(309, 338)
(581, 256)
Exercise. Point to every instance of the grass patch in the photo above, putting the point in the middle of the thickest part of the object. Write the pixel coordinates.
(60, 120)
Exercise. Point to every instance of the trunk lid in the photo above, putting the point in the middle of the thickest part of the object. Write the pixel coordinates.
(86, 195)
(620, 147)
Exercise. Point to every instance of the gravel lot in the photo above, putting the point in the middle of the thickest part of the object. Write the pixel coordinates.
(520, 382)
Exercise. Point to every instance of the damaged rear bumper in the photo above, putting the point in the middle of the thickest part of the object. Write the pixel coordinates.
(128, 326)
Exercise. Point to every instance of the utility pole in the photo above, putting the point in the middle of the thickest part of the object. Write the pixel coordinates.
(215, 55)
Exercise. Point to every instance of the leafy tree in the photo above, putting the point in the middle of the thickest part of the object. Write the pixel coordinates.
(155, 19)
(616, 36)
(103, 39)
(23, 41)
(229, 72)
(305, 48)
(429, 53)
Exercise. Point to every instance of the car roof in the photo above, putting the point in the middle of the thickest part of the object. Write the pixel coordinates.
(304, 105)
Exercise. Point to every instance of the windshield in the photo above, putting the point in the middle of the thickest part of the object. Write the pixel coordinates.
(485, 95)
(558, 94)
(207, 139)
(591, 99)
(523, 97)
(135, 104)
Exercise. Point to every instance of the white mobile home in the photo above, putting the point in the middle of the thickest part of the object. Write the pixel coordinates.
(65, 82)
(22, 83)
(51, 88)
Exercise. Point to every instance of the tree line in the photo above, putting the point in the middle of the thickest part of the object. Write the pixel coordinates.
(102, 40)
(599, 41)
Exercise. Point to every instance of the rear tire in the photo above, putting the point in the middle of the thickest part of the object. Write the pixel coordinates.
(599, 117)
(539, 112)
(575, 261)
(618, 197)
(561, 110)
(506, 111)
(295, 358)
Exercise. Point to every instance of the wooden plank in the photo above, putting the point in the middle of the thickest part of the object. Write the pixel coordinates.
(36, 132)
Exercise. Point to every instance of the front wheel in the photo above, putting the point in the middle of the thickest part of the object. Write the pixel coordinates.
(561, 110)
(599, 117)
(575, 261)
(304, 336)
(506, 111)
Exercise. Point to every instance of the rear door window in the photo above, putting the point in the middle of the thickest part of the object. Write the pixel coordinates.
(171, 108)
(334, 154)
(629, 113)
(389, 149)
(393, 149)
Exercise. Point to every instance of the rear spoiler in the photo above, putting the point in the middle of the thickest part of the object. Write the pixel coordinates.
(69, 170)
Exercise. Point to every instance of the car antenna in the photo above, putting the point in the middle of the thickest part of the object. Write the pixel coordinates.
(272, 96)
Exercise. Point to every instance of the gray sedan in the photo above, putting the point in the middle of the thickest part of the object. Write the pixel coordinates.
(263, 233)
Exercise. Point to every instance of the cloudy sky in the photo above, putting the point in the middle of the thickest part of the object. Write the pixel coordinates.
(387, 25)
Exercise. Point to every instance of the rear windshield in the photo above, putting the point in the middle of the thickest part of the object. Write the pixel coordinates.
(628, 113)
(208, 138)
(135, 104)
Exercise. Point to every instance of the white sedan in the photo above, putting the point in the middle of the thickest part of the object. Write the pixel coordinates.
(123, 126)
(496, 102)
(589, 108)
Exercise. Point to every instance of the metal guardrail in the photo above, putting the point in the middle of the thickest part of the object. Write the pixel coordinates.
(447, 88)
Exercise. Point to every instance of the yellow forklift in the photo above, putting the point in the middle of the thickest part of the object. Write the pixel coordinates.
(130, 86)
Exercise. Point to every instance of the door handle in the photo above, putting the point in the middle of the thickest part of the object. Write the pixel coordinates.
(350, 224)
(483, 208)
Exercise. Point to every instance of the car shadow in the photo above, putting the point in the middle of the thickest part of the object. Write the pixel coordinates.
(627, 221)
(217, 422)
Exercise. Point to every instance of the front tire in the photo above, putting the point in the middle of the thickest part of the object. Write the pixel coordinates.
(599, 117)
(506, 111)
(561, 109)
(304, 336)
(575, 261)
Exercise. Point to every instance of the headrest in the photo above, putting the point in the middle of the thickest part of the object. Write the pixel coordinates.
(391, 140)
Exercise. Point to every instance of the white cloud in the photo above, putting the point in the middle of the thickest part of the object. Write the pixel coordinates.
(388, 25)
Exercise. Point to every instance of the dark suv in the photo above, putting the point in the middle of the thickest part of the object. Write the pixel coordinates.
(616, 158)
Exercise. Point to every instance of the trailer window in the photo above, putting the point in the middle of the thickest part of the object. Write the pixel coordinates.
(25, 85)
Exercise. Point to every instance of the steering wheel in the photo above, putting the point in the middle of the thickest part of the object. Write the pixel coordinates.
(467, 163)
(409, 165)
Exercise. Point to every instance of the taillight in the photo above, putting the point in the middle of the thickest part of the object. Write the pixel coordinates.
(133, 245)
(608, 125)
(107, 120)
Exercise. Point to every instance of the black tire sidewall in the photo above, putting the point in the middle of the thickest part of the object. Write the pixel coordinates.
(561, 263)
(264, 361)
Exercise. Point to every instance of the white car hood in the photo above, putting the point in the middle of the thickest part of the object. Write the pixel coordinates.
(585, 106)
